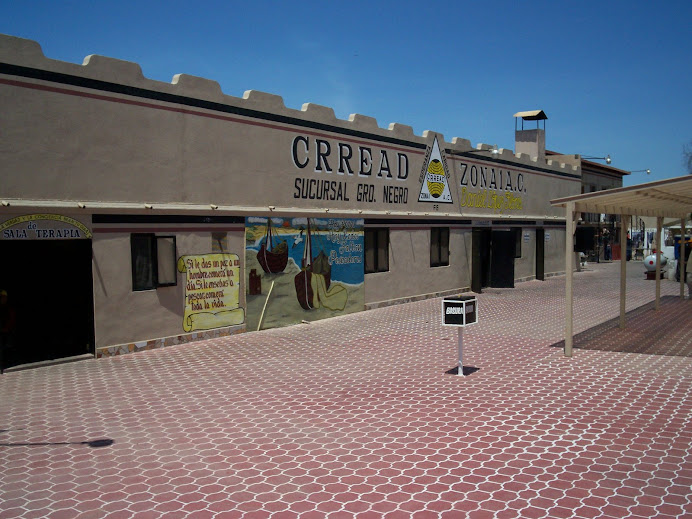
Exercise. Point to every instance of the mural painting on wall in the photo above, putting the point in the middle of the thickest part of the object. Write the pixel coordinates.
(212, 289)
(302, 269)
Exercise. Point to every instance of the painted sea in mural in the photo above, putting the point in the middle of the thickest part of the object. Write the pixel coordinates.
(313, 267)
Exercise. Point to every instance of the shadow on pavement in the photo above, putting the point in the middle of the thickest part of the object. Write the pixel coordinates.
(468, 370)
(667, 331)
(94, 444)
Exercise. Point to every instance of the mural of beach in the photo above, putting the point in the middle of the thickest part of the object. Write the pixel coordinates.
(315, 265)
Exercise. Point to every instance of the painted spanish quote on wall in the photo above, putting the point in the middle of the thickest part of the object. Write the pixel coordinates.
(302, 269)
(212, 291)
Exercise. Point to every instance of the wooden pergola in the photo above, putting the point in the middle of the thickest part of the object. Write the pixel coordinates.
(671, 198)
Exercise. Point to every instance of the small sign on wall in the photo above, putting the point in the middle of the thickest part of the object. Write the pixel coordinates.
(43, 227)
(527, 237)
(547, 236)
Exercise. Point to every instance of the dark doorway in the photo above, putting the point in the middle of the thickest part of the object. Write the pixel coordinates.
(502, 259)
(540, 254)
(49, 284)
(480, 267)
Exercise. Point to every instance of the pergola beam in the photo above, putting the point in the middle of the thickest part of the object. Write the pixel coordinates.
(662, 211)
(668, 197)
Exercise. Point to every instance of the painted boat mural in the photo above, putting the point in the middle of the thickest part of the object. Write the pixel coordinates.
(314, 279)
(323, 276)
(272, 258)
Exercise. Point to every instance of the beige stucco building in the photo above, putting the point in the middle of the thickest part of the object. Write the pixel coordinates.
(137, 214)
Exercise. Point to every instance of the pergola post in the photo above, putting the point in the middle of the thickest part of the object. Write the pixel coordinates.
(623, 268)
(569, 276)
(659, 227)
(682, 258)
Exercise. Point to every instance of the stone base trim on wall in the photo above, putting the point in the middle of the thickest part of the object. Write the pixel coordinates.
(446, 293)
(546, 276)
(420, 297)
(133, 347)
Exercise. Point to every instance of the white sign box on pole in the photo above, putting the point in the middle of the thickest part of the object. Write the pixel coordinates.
(460, 312)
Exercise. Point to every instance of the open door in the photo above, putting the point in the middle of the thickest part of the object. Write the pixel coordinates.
(52, 295)
(480, 267)
(502, 259)
(540, 254)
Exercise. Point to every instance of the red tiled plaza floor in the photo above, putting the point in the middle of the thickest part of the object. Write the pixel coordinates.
(355, 417)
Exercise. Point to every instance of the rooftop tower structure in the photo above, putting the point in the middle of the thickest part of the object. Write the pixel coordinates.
(530, 141)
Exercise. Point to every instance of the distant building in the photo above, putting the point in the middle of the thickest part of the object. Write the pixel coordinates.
(604, 231)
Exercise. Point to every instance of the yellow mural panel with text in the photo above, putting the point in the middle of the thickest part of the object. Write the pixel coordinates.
(212, 290)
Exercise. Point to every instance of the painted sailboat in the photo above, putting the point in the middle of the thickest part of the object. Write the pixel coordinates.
(313, 282)
(272, 258)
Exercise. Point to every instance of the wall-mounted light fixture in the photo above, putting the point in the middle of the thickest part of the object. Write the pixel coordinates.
(148, 206)
(5, 203)
(213, 206)
(271, 207)
(81, 205)
(606, 158)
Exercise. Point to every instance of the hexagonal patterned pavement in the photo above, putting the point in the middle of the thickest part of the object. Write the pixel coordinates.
(361, 417)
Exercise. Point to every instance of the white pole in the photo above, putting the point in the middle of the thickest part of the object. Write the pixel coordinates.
(461, 350)
(259, 324)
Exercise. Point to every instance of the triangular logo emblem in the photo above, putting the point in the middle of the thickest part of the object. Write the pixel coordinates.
(435, 178)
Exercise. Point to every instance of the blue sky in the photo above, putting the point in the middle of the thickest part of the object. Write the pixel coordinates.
(614, 77)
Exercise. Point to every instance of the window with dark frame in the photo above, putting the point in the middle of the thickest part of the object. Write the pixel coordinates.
(439, 246)
(153, 261)
(376, 250)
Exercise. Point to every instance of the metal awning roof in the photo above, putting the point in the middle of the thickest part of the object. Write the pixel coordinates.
(532, 115)
(670, 198)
